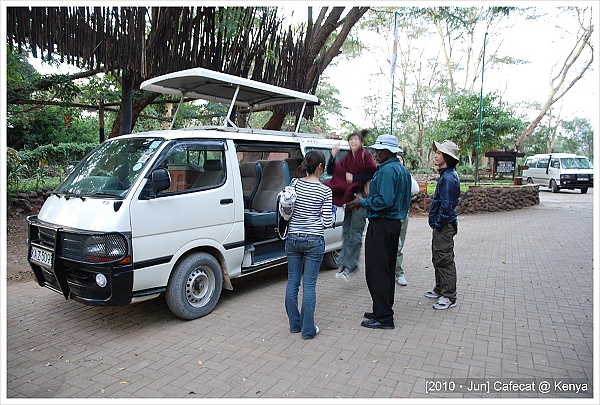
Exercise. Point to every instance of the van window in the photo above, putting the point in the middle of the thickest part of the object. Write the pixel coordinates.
(195, 165)
(542, 163)
(555, 163)
(111, 168)
(531, 162)
(576, 163)
(327, 152)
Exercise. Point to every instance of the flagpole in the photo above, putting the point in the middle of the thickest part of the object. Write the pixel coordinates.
(393, 68)
(477, 149)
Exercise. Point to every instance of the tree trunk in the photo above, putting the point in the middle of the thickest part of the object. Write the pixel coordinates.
(275, 122)
(126, 105)
(136, 110)
(556, 83)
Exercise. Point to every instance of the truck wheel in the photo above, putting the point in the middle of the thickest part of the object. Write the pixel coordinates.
(584, 190)
(554, 187)
(330, 260)
(195, 286)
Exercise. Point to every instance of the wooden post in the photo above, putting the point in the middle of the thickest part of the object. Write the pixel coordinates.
(101, 119)
(423, 189)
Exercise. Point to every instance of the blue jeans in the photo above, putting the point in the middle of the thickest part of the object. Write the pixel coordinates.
(352, 234)
(304, 255)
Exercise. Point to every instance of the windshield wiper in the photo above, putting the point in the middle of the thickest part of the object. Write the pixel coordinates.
(67, 195)
(105, 194)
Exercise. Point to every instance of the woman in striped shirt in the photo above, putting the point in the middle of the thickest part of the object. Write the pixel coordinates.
(305, 243)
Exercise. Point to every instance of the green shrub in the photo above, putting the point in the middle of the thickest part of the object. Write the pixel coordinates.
(43, 166)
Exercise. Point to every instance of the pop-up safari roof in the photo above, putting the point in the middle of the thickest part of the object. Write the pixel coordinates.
(205, 84)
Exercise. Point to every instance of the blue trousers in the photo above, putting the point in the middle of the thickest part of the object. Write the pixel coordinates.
(304, 256)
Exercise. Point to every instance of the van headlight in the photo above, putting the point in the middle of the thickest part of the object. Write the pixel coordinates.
(103, 248)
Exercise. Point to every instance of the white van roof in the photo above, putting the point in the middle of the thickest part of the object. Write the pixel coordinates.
(209, 85)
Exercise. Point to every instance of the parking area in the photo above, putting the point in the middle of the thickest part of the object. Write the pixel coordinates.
(525, 316)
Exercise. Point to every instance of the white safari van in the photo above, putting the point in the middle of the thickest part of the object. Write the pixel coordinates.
(175, 212)
(559, 171)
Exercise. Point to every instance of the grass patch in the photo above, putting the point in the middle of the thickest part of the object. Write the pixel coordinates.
(33, 184)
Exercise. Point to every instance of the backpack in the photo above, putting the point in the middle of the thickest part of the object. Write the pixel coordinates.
(285, 208)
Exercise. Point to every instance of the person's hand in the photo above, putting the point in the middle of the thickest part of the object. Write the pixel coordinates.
(349, 178)
(354, 204)
(335, 150)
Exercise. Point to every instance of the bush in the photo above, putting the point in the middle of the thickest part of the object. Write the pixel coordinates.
(32, 169)
(56, 155)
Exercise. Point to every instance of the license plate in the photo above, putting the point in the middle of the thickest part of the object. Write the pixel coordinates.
(581, 178)
(41, 256)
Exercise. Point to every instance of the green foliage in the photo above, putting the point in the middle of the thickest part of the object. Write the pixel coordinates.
(16, 169)
(499, 123)
(581, 132)
(59, 155)
(30, 169)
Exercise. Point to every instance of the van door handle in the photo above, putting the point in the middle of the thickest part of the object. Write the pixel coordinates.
(226, 201)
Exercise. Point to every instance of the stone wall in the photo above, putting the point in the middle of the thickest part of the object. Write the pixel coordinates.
(486, 199)
(28, 202)
(475, 199)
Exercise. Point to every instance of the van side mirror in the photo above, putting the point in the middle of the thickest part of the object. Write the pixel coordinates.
(161, 180)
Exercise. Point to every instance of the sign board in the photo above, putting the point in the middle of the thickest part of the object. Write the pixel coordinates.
(505, 166)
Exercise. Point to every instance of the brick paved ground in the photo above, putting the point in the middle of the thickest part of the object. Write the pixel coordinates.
(525, 313)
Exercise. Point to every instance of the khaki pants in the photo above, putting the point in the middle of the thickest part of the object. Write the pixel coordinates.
(442, 257)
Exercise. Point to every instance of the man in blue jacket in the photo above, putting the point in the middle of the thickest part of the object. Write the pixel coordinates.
(387, 204)
(444, 222)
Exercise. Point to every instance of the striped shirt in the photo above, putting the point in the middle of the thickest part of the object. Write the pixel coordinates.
(312, 209)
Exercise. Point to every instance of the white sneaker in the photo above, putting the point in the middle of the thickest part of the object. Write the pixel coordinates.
(444, 303)
(432, 294)
(347, 275)
(401, 280)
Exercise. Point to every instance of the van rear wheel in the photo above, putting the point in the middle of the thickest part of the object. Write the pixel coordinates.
(330, 260)
(529, 180)
(554, 186)
(195, 286)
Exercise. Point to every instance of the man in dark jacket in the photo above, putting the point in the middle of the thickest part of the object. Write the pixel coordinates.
(387, 205)
(444, 222)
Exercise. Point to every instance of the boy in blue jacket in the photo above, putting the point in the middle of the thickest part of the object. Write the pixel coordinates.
(444, 222)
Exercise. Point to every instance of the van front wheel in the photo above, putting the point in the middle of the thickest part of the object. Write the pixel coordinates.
(584, 190)
(554, 187)
(195, 286)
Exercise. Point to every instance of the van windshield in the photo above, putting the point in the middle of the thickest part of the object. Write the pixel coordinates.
(110, 169)
(576, 163)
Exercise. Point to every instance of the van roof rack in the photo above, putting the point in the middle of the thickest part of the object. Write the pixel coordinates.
(205, 84)
(255, 131)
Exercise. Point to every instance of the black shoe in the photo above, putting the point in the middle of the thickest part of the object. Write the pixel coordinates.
(375, 324)
(369, 315)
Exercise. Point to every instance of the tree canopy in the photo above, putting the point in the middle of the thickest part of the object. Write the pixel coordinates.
(136, 43)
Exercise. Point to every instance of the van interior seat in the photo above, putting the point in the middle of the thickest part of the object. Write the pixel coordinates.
(251, 173)
(262, 212)
(213, 174)
(293, 164)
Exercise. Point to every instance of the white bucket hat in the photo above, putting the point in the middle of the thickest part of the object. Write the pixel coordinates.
(389, 142)
(447, 147)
